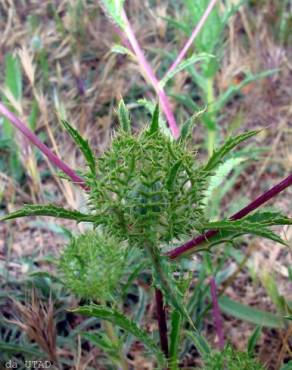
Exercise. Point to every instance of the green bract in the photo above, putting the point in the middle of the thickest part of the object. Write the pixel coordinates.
(148, 188)
(92, 265)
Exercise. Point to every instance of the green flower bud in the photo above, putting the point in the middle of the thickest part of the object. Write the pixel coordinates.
(148, 186)
(92, 265)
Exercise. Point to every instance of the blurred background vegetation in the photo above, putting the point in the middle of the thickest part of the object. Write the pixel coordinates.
(61, 59)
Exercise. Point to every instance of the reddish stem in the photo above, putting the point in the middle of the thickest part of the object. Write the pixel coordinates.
(33, 139)
(161, 319)
(191, 244)
(194, 34)
(150, 76)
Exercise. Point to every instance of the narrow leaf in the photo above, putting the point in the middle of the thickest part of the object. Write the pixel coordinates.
(250, 314)
(185, 64)
(189, 124)
(232, 142)
(200, 343)
(124, 323)
(154, 126)
(83, 146)
(13, 76)
(252, 341)
(124, 118)
(49, 210)
(172, 175)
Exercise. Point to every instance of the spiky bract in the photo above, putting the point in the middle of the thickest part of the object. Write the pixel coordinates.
(92, 265)
(148, 187)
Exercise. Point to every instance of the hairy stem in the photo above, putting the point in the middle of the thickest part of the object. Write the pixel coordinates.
(252, 206)
(33, 139)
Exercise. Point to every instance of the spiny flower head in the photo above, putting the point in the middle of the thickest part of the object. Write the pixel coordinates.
(148, 187)
(92, 265)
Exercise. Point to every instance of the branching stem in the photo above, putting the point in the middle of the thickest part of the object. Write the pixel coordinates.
(252, 206)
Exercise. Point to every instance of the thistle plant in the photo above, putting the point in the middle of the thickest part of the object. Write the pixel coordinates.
(144, 193)
(145, 196)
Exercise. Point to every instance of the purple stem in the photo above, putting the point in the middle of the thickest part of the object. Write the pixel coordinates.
(33, 139)
(216, 313)
(194, 34)
(161, 319)
(150, 76)
(275, 190)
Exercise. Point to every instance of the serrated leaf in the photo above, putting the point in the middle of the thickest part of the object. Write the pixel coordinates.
(124, 323)
(185, 64)
(83, 145)
(250, 314)
(244, 226)
(49, 210)
(189, 124)
(154, 126)
(268, 218)
(230, 143)
(124, 117)
(220, 175)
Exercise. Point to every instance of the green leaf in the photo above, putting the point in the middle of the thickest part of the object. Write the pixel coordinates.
(154, 126)
(172, 175)
(49, 210)
(220, 176)
(200, 343)
(13, 76)
(252, 341)
(124, 323)
(189, 124)
(83, 146)
(268, 218)
(103, 342)
(250, 314)
(124, 118)
(232, 142)
(113, 9)
(150, 107)
(233, 89)
(185, 64)
(244, 226)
